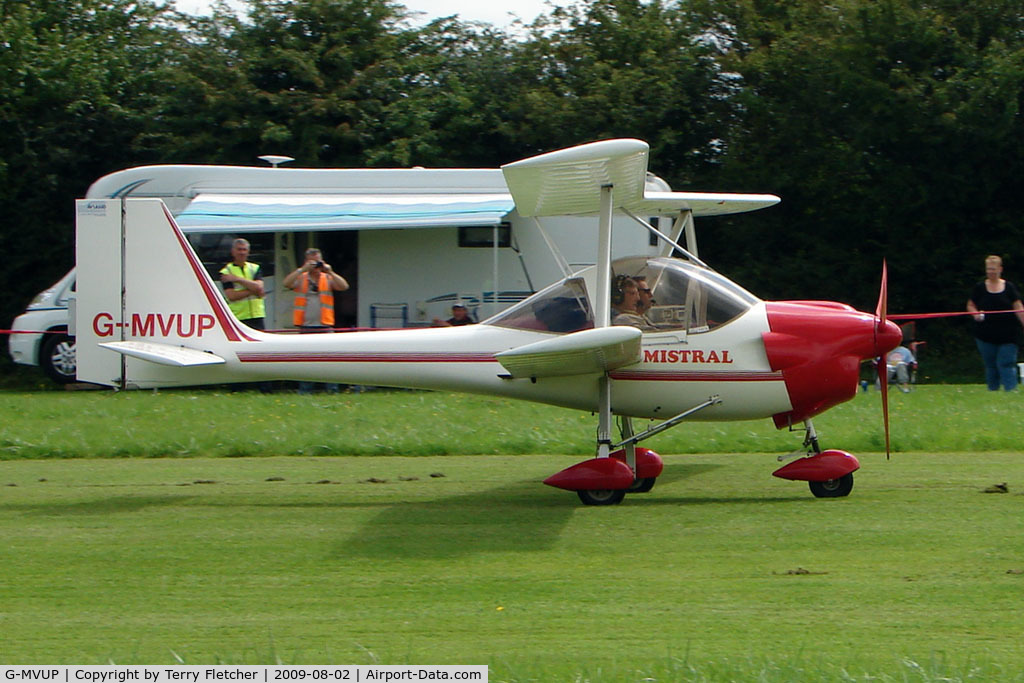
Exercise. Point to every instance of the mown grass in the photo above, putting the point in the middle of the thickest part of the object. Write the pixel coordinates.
(720, 573)
(933, 418)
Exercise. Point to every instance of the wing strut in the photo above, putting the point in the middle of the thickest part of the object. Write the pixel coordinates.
(602, 303)
(603, 307)
(671, 243)
(604, 416)
(555, 251)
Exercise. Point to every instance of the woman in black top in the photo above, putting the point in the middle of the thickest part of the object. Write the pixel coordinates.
(996, 334)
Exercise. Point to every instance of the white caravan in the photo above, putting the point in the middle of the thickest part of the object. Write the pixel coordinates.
(411, 242)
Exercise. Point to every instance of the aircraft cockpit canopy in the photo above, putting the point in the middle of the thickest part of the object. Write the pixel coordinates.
(686, 297)
(562, 307)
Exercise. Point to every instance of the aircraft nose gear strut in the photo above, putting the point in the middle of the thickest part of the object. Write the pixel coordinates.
(829, 474)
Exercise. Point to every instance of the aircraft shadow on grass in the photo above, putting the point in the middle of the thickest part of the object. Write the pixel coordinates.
(521, 517)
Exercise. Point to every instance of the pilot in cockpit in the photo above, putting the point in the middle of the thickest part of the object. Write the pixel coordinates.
(627, 304)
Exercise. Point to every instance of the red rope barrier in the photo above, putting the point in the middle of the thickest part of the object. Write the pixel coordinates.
(922, 316)
(33, 332)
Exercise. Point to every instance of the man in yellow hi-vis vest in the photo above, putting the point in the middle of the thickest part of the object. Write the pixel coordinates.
(314, 284)
(243, 286)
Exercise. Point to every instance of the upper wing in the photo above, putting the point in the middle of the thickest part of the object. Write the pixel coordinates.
(703, 203)
(568, 182)
(586, 352)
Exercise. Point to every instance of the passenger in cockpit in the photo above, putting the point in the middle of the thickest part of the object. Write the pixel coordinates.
(646, 297)
(626, 303)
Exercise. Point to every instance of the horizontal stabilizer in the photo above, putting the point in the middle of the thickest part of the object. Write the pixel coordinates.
(587, 352)
(164, 354)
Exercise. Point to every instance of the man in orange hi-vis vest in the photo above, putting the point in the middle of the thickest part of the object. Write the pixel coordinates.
(314, 284)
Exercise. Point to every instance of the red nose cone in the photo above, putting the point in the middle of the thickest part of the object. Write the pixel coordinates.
(818, 347)
(887, 337)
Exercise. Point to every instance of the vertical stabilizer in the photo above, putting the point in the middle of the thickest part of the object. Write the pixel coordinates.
(144, 294)
(98, 260)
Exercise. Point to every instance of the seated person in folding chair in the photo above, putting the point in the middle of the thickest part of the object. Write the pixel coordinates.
(899, 364)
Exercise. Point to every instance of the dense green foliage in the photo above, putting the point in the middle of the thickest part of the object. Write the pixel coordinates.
(889, 128)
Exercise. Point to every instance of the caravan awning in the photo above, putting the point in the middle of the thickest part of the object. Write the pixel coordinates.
(287, 212)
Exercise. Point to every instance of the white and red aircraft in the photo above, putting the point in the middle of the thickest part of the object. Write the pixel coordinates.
(149, 315)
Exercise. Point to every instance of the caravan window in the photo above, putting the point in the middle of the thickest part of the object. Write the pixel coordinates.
(562, 307)
(483, 236)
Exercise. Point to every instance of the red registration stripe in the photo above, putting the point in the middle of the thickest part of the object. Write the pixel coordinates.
(648, 376)
(329, 357)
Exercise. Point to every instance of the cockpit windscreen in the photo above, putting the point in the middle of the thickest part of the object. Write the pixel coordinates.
(652, 293)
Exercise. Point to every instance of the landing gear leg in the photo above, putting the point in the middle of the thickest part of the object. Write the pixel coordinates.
(811, 439)
(604, 443)
(829, 474)
(605, 479)
(830, 488)
(640, 484)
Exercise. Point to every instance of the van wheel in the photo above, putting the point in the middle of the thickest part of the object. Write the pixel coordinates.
(57, 358)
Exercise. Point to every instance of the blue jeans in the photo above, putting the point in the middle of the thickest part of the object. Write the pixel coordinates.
(1000, 364)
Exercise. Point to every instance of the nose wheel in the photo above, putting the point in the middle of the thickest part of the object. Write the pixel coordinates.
(832, 488)
(602, 496)
(829, 474)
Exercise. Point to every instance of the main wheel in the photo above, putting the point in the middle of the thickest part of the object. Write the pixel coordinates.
(57, 358)
(642, 485)
(602, 496)
(833, 488)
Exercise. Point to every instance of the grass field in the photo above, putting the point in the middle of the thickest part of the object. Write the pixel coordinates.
(720, 573)
(933, 418)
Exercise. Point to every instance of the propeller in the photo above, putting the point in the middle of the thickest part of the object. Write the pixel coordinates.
(883, 371)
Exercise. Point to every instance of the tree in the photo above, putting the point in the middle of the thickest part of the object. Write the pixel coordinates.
(77, 84)
(889, 129)
(307, 78)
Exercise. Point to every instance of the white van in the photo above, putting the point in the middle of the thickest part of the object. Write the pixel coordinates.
(40, 334)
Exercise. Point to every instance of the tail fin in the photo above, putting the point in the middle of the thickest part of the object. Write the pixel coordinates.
(142, 292)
